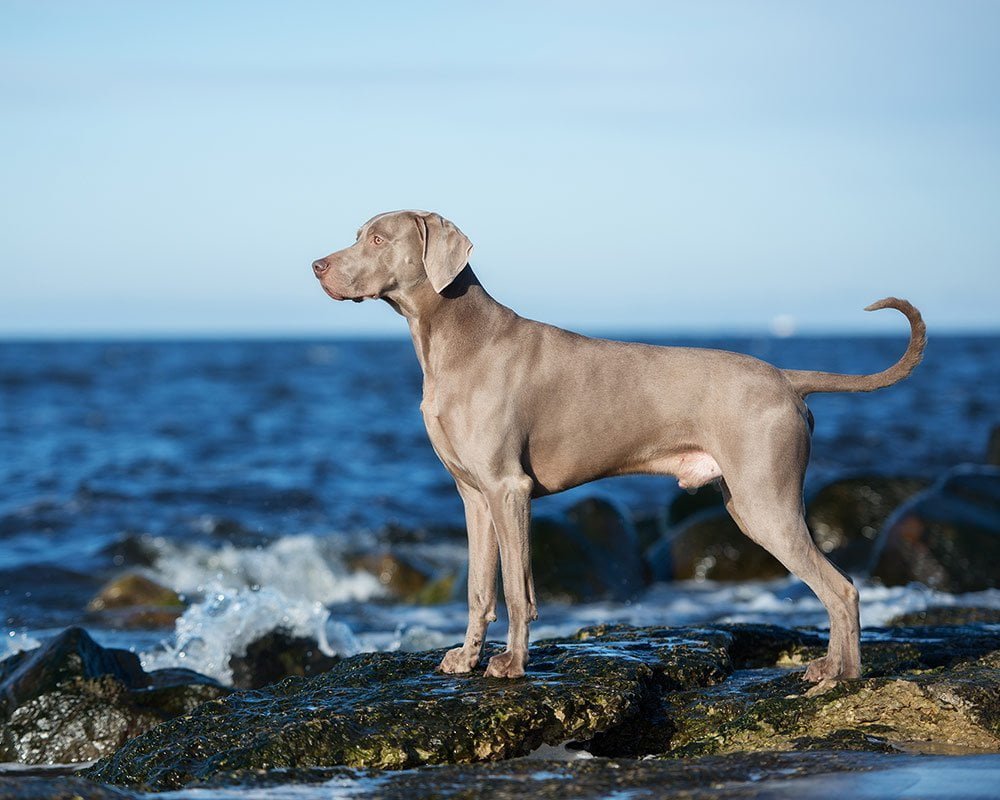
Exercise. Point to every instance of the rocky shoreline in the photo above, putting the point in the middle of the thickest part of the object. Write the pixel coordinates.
(667, 696)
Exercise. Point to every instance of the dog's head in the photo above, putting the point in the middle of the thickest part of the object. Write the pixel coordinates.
(394, 254)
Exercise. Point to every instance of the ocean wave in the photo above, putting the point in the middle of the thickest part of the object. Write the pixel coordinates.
(301, 567)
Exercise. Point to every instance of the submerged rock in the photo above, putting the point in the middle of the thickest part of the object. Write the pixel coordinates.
(738, 775)
(947, 537)
(72, 700)
(846, 516)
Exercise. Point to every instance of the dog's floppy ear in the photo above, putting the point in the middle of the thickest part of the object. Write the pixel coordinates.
(446, 249)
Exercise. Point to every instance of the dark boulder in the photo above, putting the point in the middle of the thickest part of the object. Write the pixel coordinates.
(710, 546)
(590, 553)
(947, 537)
(688, 503)
(993, 447)
(72, 700)
(613, 537)
(278, 655)
(947, 615)
(846, 516)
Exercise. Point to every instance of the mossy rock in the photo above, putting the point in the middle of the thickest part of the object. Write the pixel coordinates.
(392, 710)
(72, 700)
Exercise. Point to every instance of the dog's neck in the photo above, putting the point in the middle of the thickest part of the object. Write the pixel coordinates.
(440, 323)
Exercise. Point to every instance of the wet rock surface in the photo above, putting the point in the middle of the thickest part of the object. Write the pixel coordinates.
(947, 537)
(615, 691)
(72, 700)
(391, 710)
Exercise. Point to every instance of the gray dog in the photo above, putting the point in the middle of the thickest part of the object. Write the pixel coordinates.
(517, 409)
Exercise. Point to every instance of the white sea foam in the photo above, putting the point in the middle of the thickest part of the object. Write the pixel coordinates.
(301, 567)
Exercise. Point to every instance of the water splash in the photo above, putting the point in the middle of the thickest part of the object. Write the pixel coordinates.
(209, 633)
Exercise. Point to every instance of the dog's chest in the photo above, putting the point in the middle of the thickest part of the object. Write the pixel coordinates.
(443, 446)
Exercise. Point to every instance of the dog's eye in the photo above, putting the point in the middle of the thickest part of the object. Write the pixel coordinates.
(376, 240)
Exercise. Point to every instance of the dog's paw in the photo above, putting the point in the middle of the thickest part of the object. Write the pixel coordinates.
(828, 669)
(458, 661)
(508, 664)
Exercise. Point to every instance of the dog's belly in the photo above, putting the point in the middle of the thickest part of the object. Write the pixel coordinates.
(692, 467)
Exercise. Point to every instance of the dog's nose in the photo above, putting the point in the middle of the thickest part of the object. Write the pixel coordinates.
(320, 266)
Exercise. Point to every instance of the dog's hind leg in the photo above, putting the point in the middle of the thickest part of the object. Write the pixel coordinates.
(772, 517)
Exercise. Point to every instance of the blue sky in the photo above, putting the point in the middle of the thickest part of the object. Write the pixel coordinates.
(174, 167)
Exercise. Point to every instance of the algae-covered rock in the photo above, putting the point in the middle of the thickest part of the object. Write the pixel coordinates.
(846, 516)
(613, 690)
(392, 710)
(947, 537)
(929, 685)
(72, 700)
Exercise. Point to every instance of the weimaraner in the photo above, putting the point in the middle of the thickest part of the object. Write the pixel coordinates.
(517, 409)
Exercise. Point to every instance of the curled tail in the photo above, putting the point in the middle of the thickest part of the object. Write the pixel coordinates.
(808, 381)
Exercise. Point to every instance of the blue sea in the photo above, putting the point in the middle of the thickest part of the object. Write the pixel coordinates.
(244, 474)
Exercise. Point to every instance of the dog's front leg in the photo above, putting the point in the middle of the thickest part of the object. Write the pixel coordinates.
(483, 550)
(510, 508)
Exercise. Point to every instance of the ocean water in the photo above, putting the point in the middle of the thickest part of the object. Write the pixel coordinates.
(243, 474)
